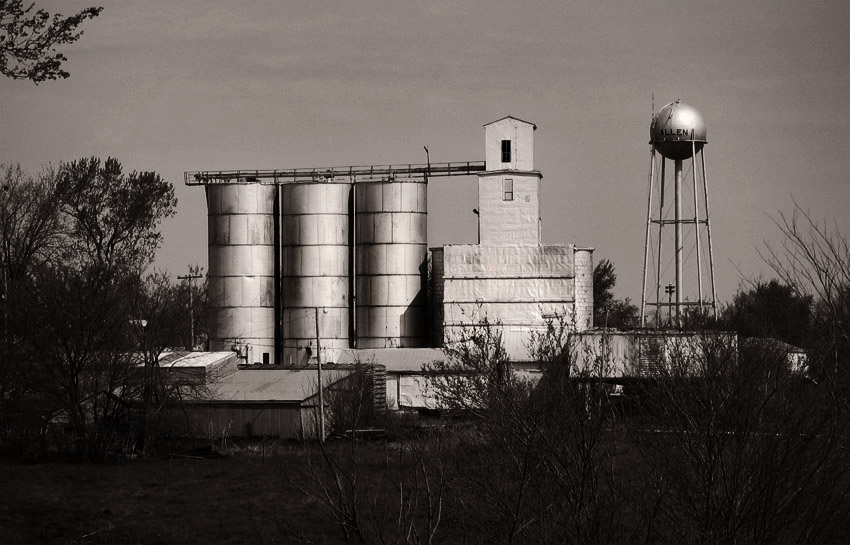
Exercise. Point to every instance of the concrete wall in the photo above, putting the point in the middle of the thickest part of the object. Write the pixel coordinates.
(521, 135)
(518, 287)
(514, 222)
(583, 288)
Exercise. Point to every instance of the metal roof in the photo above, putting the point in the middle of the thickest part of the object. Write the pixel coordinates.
(273, 384)
(396, 360)
(194, 359)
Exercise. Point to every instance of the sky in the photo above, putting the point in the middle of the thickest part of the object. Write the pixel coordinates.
(173, 86)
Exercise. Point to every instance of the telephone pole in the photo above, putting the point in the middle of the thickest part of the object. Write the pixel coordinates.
(319, 372)
(191, 278)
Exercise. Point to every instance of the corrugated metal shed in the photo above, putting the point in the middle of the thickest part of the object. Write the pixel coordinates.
(205, 366)
(259, 401)
(274, 384)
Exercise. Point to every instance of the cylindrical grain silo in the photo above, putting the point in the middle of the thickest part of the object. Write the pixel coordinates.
(242, 268)
(583, 269)
(315, 269)
(391, 234)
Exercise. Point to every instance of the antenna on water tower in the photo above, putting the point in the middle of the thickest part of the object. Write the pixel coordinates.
(677, 133)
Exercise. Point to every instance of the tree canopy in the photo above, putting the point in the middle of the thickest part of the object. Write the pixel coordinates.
(608, 311)
(75, 243)
(29, 38)
(771, 309)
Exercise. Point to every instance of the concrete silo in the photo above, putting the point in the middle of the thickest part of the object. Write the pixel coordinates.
(390, 275)
(242, 268)
(315, 268)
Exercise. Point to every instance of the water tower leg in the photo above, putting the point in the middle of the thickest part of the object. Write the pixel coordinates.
(646, 240)
(678, 242)
(708, 234)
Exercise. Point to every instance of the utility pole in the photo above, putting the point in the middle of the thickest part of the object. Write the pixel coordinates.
(319, 368)
(670, 289)
(5, 291)
(191, 278)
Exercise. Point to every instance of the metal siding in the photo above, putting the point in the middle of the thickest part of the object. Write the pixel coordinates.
(315, 271)
(241, 266)
(390, 256)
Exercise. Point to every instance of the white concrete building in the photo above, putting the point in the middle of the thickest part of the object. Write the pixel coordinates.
(510, 277)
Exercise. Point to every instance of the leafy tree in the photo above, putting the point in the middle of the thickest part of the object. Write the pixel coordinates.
(83, 296)
(113, 217)
(28, 40)
(771, 309)
(609, 311)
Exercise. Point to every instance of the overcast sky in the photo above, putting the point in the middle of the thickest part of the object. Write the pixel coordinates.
(171, 86)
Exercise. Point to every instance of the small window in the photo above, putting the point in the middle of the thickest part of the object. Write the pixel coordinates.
(506, 151)
(509, 189)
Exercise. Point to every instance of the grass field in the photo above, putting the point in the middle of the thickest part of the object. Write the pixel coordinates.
(236, 499)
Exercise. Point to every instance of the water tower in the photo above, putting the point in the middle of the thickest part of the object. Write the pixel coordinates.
(677, 201)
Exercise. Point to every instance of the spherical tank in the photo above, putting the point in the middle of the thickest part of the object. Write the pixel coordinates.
(390, 263)
(315, 269)
(677, 130)
(241, 268)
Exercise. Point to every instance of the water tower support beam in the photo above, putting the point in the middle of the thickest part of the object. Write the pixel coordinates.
(696, 223)
(678, 242)
(708, 232)
(646, 239)
(660, 240)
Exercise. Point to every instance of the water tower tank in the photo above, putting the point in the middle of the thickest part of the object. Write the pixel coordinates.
(677, 130)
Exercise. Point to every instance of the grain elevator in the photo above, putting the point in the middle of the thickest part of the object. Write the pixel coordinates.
(338, 257)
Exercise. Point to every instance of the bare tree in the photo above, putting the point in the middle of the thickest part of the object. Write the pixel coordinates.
(158, 319)
(369, 496)
(76, 327)
(739, 450)
(814, 259)
(30, 226)
(542, 465)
